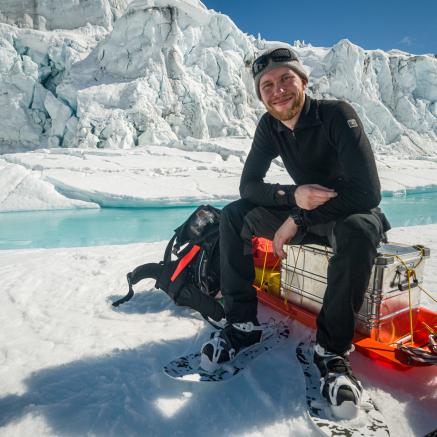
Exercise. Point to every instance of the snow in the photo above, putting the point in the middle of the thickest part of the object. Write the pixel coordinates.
(141, 177)
(187, 172)
(148, 103)
(71, 364)
(22, 189)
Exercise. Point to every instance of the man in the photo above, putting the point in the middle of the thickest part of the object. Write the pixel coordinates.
(323, 147)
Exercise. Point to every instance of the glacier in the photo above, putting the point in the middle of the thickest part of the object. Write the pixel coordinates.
(153, 72)
(158, 95)
(146, 103)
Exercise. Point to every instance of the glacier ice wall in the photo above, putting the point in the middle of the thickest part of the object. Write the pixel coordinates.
(160, 71)
(65, 14)
(395, 93)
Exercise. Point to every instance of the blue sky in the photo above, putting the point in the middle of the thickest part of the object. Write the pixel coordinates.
(385, 24)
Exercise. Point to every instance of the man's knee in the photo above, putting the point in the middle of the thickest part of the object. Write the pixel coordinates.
(233, 214)
(358, 229)
(233, 211)
(237, 209)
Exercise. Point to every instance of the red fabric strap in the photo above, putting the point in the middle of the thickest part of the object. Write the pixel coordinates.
(184, 262)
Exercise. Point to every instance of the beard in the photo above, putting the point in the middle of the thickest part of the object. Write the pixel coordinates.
(291, 112)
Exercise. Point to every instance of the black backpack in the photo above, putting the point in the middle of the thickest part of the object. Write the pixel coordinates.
(192, 279)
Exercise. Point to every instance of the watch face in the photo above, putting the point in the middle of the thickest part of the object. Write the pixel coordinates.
(297, 217)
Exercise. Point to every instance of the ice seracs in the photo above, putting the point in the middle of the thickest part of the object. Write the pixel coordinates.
(65, 14)
(170, 81)
(395, 93)
(157, 71)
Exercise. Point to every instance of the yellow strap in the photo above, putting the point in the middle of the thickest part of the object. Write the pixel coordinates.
(264, 266)
(294, 272)
(276, 263)
(427, 293)
(430, 330)
(326, 253)
(409, 273)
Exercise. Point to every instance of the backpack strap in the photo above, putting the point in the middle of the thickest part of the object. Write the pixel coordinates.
(150, 270)
(185, 260)
(124, 299)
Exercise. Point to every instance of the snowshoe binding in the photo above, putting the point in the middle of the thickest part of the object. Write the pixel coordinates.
(225, 344)
(338, 386)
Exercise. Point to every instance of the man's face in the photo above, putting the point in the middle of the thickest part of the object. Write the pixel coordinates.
(282, 92)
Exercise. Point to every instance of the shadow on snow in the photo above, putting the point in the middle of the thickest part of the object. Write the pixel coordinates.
(126, 393)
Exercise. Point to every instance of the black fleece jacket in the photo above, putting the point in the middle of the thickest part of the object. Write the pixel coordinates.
(328, 146)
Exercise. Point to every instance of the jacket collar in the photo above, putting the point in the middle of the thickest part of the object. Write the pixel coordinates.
(308, 117)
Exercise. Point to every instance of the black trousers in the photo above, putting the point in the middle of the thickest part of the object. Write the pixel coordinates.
(354, 240)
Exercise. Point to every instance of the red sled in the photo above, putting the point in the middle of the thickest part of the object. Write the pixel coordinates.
(391, 325)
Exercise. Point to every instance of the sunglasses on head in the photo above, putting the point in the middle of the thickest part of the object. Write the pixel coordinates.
(277, 55)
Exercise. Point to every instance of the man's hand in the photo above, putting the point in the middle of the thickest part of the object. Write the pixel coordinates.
(311, 196)
(283, 235)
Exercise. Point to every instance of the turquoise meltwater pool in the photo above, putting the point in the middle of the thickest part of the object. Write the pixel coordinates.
(94, 227)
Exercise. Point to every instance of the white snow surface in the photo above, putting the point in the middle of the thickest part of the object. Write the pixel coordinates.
(149, 72)
(190, 172)
(71, 364)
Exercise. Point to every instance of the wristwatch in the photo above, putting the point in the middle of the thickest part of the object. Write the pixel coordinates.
(297, 216)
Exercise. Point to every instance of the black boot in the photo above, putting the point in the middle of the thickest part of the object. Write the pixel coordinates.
(339, 386)
(225, 344)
